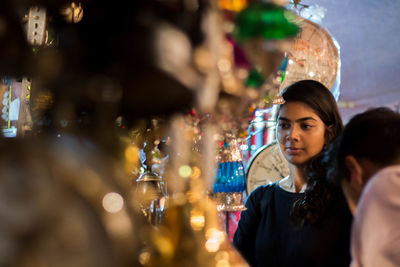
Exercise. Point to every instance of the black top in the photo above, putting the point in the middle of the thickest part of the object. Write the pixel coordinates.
(267, 237)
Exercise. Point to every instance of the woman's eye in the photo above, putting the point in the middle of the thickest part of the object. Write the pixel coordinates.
(283, 125)
(306, 126)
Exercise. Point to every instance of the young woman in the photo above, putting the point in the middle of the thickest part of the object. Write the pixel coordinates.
(301, 220)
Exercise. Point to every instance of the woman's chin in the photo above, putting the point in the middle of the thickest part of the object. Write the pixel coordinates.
(296, 160)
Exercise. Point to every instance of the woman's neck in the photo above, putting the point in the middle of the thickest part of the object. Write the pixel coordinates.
(298, 177)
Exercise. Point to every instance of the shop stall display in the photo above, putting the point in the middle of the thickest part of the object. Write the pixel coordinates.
(141, 110)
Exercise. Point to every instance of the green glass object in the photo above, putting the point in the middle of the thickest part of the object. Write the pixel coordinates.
(283, 76)
(265, 20)
(255, 79)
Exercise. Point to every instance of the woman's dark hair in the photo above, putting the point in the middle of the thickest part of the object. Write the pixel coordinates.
(373, 135)
(312, 205)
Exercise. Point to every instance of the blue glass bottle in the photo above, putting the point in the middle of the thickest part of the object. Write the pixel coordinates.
(230, 177)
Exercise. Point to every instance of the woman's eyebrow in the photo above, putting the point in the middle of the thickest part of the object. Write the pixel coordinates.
(305, 119)
(298, 120)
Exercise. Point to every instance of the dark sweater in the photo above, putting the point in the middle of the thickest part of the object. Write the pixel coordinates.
(267, 237)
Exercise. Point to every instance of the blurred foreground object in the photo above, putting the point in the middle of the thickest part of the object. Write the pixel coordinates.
(190, 234)
(150, 186)
(15, 54)
(64, 204)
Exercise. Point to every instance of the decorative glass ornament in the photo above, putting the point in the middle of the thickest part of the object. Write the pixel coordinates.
(151, 194)
(260, 30)
(231, 180)
(264, 20)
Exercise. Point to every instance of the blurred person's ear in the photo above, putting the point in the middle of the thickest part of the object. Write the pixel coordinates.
(355, 170)
(353, 186)
(360, 171)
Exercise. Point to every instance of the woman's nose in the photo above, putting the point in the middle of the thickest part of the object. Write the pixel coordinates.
(293, 133)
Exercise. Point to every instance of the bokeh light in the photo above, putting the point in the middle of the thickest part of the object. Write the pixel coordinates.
(212, 245)
(113, 202)
(185, 171)
(197, 220)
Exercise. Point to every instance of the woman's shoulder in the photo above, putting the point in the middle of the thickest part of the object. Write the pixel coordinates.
(263, 191)
(259, 198)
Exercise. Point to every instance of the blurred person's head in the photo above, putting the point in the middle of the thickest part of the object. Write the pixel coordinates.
(369, 142)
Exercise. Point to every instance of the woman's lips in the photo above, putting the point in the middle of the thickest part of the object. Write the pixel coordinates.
(293, 150)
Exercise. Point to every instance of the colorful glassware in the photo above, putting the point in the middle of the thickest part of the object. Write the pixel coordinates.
(230, 179)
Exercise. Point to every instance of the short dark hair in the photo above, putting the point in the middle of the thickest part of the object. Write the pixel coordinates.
(373, 135)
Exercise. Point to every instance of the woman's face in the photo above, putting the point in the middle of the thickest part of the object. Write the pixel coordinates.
(300, 132)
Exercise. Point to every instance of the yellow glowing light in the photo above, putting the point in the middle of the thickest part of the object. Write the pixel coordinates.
(197, 220)
(214, 233)
(212, 245)
(185, 171)
(195, 172)
(132, 153)
(223, 263)
(113, 202)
